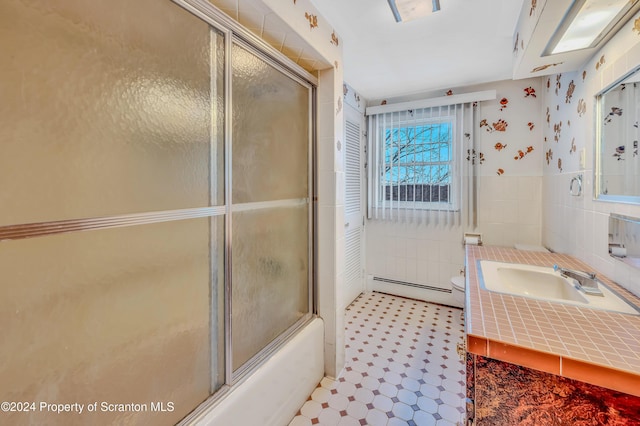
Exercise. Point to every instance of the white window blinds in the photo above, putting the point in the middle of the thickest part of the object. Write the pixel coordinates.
(418, 167)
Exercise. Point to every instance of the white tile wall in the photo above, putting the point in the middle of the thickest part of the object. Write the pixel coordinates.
(579, 226)
(421, 254)
(510, 209)
(431, 255)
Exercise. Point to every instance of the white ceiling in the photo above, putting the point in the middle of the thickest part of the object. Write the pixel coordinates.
(466, 42)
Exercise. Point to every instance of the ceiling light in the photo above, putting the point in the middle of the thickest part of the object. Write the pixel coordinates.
(587, 23)
(406, 10)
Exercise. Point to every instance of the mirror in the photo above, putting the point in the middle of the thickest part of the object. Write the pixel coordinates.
(617, 133)
(624, 239)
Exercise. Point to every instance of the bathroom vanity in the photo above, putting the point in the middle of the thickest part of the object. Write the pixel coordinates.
(532, 361)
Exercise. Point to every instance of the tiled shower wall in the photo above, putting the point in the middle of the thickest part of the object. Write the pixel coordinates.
(579, 225)
(509, 157)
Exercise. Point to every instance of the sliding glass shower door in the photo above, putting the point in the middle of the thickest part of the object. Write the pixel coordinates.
(155, 220)
(112, 225)
(270, 202)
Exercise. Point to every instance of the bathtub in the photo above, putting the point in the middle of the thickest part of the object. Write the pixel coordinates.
(274, 393)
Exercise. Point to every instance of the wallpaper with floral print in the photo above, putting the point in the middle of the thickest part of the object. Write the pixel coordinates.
(570, 103)
(508, 132)
(351, 97)
(569, 110)
(527, 20)
(509, 135)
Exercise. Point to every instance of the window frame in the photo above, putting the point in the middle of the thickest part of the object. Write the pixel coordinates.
(452, 204)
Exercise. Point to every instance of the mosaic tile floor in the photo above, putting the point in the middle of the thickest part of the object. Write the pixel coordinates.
(402, 367)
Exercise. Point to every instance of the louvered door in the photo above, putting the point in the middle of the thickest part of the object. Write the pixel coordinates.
(354, 275)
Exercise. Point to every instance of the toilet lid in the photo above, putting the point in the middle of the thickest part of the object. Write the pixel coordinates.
(458, 283)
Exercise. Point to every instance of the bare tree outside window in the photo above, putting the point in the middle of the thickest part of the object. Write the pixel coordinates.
(418, 162)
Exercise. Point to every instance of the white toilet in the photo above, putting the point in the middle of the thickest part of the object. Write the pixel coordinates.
(458, 286)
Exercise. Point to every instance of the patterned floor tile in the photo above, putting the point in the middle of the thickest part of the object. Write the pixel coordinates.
(401, 367)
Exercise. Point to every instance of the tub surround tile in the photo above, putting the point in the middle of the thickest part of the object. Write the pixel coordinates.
(561, 339)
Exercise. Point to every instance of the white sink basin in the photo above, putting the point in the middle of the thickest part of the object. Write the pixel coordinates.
(538, 282)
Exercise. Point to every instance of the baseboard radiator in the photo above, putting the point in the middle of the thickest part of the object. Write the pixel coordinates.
(407, 284)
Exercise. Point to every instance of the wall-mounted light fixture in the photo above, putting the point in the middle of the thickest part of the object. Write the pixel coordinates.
(588, 23)
(406, 10)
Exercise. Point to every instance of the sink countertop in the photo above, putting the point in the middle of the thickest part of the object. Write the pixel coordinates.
(590, 345)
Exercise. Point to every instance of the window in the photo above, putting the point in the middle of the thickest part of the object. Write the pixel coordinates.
(416, 166)
(413, 160)
(418, 161)
(416, 170)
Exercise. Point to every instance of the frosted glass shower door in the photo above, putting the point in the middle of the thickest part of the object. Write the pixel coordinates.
(270, 203)
(150, 160)
(112, 218)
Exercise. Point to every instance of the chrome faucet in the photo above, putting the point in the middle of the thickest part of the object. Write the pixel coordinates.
(586, 280)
